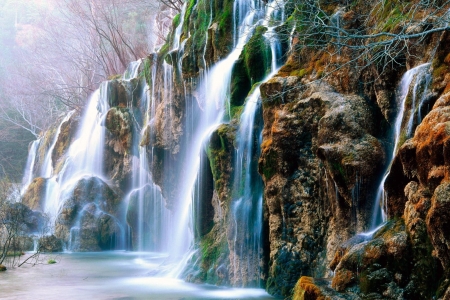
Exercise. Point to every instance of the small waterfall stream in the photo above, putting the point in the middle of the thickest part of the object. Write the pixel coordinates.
(247, 206)
(411, 93)
(29, 167)
(247, 196)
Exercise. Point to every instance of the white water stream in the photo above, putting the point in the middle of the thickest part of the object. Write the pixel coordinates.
(414, 76)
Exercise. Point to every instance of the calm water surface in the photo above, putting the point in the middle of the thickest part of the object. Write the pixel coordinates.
(108, 275)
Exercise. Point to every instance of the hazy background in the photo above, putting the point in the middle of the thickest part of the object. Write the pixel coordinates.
(54, 53)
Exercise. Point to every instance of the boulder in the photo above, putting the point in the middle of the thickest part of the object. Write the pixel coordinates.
(50, 243)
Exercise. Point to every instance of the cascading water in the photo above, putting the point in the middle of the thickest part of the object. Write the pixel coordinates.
(84, 159)
(212, 96)
(85, 155)
(213, 92)
(146, 211)
(247, 199)
(29, 167)
(179, 29)
(247, 191)
(419, 76)
(153, 227)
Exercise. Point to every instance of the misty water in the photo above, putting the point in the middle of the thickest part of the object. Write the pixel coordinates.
(109, 275)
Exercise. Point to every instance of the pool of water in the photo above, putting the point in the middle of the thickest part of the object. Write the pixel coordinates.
(108, 275)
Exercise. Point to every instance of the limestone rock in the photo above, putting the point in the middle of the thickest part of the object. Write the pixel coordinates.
(118, 122)
(35, 193)
(317, 160)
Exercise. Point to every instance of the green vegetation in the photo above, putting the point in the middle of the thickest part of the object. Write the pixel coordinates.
(176, 21)
(214, 250)
(269, 168)
(253, 66)
(51, 261)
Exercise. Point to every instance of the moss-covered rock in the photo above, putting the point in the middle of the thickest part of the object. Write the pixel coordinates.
(253, 66)
(220, 155)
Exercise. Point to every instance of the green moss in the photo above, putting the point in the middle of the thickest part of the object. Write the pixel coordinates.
(147, 71)
(188, 16)
(15, 253)
(402, 138)
(164, 50)
(240, 83)
(337, 167)
(176, 21)
(440, 71)
(269, 169)
(257, 56)
(115, 77)
(219, 154)
(253, 66)
(214, 250)
(51, 261)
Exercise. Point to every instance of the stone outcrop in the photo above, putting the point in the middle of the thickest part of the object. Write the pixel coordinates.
(35, 193)
(317, 162)
(89, 207)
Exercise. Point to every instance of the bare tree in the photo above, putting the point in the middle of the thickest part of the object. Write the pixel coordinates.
(18, 225)
(380, 34)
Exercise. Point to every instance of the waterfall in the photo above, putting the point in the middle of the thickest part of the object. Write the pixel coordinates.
(247, 201)
(403, 127)
(145, 208)
(179, 29)
(29, 167)
(84, 157)
(75, 190)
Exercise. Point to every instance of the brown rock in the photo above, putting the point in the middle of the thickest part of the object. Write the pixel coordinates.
(35, 194)
(438, 223)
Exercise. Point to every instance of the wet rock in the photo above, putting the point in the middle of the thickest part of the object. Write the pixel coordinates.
(143, 217)
(122, 93)
(27, 220)
(50, 243)
(65, 137)
(95, 230)
(306, 289)
(90, 190)
(317, 161)
(118, 122)
(369, 265)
